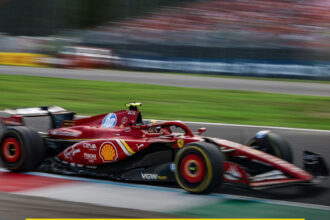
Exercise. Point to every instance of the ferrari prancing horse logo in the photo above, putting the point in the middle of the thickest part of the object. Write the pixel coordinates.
(180, 143)
(108, 152)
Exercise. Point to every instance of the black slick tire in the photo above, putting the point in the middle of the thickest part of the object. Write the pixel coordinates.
(21, 149)
(199, 167)
(273, 144)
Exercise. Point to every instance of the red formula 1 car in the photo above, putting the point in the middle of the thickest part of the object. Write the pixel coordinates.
(122, 146)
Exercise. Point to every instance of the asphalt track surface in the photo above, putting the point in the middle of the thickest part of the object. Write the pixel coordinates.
(16, 207)
(298, 88)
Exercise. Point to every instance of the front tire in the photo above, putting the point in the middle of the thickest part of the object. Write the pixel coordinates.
(21, 149)
(273, 144)
(199, 167)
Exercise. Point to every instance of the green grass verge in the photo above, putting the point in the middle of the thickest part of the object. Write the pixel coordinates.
(164, 102)
(231, 208)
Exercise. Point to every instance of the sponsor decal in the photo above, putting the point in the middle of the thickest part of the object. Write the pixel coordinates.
(139, 146)
(124, 120)
(149, 176)
(232, 173)
(131, 112)
(180, 143)
(70, 152)
(90, 157)
(153, 176)
(109, 121)
(108, 152)
(90, 146)
(65, 133)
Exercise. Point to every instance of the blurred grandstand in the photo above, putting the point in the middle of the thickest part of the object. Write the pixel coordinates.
(223, 32)
(231, 23)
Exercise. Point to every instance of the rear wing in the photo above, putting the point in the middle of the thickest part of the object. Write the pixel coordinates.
(34, 111)
(15, 117)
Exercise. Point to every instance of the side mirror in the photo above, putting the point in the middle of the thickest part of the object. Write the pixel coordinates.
(201, 130)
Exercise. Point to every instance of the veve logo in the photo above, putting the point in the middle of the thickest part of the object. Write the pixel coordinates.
(149, 176)
(109, 121)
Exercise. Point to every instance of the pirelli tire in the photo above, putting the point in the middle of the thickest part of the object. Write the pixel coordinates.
(273, 144)
(199, 167)
(21, 149)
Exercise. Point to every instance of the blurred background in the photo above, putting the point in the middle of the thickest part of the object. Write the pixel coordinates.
(286, 38)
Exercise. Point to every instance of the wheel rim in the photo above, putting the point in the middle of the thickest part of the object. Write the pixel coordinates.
(11, 150)
(193, 168)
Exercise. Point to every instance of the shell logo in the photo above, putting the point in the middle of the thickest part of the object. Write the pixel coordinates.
(108, 152)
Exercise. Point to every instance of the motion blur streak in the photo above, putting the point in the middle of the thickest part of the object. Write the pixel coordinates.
(255, 37)
(268, 38)
(283, 87)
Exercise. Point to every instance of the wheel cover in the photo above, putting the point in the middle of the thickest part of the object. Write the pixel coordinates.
(11, 150)
(193, 168)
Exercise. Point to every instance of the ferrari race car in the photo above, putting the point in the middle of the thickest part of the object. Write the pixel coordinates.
(123, 146)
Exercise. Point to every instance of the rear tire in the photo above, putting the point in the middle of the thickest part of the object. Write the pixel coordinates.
(199, 167)
(273, 144)
(21, 149)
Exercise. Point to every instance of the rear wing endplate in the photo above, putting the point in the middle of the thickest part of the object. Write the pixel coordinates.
(15, 117)
(34, 111)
